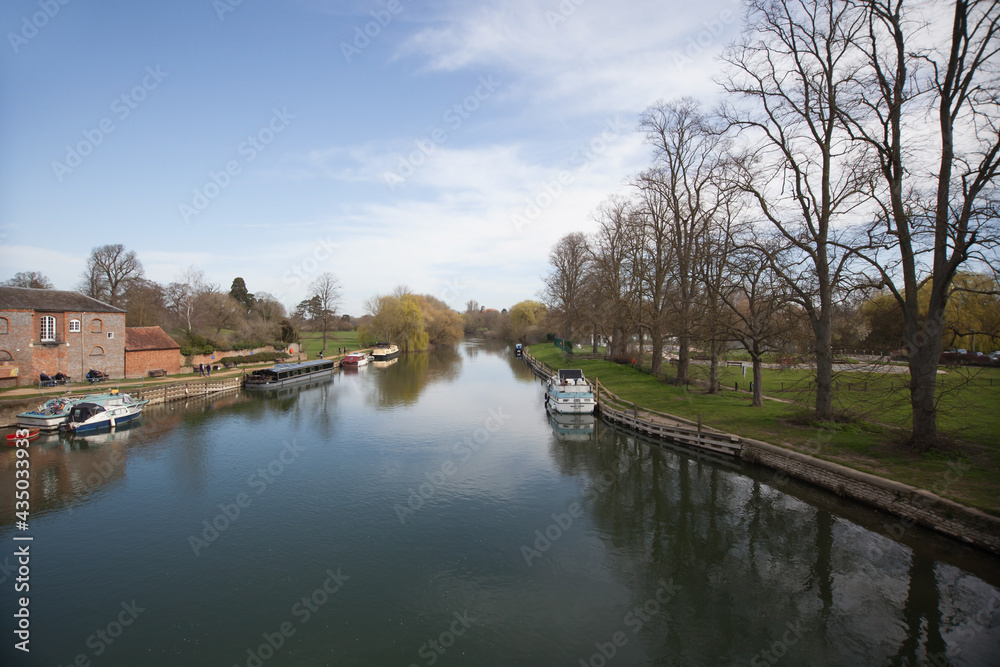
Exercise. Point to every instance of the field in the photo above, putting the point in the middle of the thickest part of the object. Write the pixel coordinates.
(312, 342)
(967, 471)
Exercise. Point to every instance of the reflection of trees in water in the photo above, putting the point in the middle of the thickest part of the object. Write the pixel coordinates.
(750, 560)
(402, 382)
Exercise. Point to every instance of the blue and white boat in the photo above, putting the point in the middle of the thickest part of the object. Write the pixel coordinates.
(570, 392)
(103, 411)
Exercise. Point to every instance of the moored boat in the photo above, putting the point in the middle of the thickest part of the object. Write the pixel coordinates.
(355, 359)
(49, 415)
(518, 350)
(22, 434)
(570, 392)
(103, 411)
(280, 375)
(385, 351)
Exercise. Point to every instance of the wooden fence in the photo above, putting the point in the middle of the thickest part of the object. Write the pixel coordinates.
(652, 422)
(183, 391)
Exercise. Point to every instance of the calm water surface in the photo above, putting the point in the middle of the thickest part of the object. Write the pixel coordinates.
(428, 513)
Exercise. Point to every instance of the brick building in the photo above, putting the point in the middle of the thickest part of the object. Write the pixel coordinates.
(54, 331)
(150, 348)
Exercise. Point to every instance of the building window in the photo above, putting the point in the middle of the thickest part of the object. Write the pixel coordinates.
(3, 325)
(5, 356)
(96, 326)
(74, 326)
(97, 351)
(48, 329)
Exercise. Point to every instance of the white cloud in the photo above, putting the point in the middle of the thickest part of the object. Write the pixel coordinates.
(593, 57)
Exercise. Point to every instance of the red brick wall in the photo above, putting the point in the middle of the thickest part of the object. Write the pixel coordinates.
(72, 352)
(138, 363)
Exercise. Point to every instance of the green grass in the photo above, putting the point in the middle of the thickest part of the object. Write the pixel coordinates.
(872, 443)
(312, 341)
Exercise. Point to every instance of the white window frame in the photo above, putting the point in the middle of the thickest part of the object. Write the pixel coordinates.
(48, 330)
(75, 326)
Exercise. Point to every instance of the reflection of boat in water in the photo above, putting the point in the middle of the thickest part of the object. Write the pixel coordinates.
(384, 364)
(385, 351)
(355, 359)
(570, 392)
(288, 391)
(104, 411)
(103, 436)
(572, 426)
(284, 374)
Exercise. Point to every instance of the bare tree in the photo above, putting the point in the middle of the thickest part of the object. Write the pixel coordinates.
(220, 310)
(182, 297)
(757, 298)
(110, 271)
(930, 222)
(787, 78)
(681, 196)
(34, 279)
(615, 284)
(326, 289)
(565, 289)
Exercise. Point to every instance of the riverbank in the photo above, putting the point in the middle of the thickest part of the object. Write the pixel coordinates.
(967, 473)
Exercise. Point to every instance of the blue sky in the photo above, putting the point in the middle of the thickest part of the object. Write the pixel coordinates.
(441, 145)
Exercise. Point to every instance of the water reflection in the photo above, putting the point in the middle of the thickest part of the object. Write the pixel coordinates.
(763, 574)
(401, 381)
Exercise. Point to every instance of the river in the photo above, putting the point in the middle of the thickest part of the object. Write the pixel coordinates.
(428, 513)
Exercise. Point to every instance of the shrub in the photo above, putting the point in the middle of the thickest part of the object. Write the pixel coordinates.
(256, 358)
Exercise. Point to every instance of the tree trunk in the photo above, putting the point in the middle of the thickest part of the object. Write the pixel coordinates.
(713, 368)
(656, 339)
(823, 328)
(595, 338)
(683, 359)
(758, 389)
(925, 352)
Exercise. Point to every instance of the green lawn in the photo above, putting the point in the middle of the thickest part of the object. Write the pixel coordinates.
(312, 341)
(872, 444)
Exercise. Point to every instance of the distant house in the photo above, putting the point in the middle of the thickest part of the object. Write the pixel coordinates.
(54, 331)
(150, 348)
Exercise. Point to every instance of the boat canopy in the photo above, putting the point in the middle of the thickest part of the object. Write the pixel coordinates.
(570, 374)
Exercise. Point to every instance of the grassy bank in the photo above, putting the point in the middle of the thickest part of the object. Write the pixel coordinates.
(312, 342)
(968, 471)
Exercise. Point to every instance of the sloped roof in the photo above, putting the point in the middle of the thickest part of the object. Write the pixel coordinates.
(51, 300)
(148, 338)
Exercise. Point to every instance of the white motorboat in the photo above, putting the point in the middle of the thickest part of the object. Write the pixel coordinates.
(570, 392)
(49, 415)
(355, 359)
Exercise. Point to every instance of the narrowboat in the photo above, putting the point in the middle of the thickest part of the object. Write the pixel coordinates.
(280, 375)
